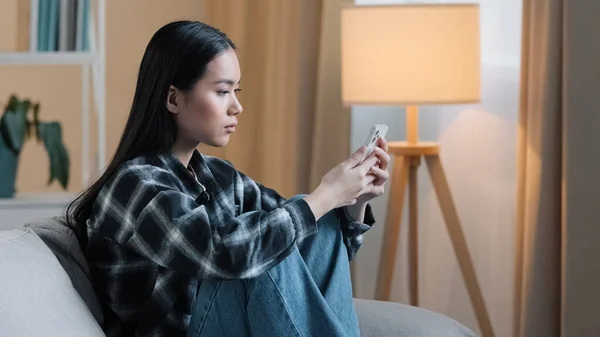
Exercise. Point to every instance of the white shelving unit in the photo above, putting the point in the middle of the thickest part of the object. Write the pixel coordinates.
(17, 211)
(93, 65)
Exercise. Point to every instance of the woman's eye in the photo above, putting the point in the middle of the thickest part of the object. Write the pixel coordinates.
(222, 92)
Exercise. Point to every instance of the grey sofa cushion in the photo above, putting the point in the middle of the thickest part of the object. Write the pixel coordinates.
(29, 252)
(36, 294)
(63, 243)
(378, 319)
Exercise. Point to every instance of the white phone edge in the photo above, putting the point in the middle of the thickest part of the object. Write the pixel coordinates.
(383, 128)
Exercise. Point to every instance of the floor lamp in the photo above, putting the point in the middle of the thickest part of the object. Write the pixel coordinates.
(413, 55)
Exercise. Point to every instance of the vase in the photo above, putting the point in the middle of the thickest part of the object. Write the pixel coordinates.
(8, 171)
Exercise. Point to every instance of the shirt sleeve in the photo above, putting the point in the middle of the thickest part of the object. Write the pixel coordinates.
(257, 196)
(267, 199)
(353, 231)
(166, 226)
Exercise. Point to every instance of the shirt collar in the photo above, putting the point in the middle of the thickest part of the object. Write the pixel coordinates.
(181, 171)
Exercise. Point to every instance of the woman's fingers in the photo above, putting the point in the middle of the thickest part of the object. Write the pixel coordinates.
(373, 190)
(381, 176)
(355, 158)
(367, 164)
(383, 144)
(384, 158)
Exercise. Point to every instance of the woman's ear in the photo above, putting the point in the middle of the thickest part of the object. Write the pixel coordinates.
(172, 105)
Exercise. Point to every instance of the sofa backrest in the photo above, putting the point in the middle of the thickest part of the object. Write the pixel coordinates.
(37, 297)
(62, 241)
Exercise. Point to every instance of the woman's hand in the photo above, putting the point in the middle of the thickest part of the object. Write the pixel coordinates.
(375, 189)
(345, 183)
(379, 171)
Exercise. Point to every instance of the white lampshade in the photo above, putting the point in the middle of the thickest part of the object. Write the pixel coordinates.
(410, 54)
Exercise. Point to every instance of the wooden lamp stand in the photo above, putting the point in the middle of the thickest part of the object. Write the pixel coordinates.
(407, 160)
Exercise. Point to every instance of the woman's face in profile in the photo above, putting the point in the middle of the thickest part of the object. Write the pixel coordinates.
(207, 113)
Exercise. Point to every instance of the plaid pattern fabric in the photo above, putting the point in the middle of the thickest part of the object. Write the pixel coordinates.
(151, 242)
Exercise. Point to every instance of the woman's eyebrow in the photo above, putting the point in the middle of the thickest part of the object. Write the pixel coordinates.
(227, 81)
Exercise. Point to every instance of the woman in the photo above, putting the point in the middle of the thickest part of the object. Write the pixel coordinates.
(182, 244)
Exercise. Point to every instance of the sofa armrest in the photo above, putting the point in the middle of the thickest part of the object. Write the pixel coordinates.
(383, 319)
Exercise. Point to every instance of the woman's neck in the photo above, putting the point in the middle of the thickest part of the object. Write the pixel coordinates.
(183, 153)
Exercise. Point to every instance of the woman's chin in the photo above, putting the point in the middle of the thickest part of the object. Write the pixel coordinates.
(220, 142)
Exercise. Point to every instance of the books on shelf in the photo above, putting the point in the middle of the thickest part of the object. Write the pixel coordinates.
(62, 25)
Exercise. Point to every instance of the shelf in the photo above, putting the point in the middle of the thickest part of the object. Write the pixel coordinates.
(36, 201)
(92, 61)
(47, 58)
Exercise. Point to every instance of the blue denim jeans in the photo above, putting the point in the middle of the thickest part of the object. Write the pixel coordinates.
(309, 293)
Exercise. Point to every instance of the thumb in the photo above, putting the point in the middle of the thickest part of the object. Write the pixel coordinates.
(356, 157)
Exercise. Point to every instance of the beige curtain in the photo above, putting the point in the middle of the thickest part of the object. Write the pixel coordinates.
(558, 210)
(293, 128)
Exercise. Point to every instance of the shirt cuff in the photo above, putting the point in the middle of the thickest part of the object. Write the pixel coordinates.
(302, 217)
(351, 225)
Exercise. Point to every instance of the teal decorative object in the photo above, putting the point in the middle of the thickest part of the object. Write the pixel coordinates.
(15, 129)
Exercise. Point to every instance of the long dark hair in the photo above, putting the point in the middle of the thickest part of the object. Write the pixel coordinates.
(177, 55)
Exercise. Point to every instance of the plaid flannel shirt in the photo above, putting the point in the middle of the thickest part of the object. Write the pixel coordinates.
(151, 243)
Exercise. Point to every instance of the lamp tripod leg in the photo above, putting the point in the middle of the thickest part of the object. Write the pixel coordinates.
(413, 241)
(457, 236)
(391, 236)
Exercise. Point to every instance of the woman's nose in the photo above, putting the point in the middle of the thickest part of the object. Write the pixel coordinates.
(236, 108)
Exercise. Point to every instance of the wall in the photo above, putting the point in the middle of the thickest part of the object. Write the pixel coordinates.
(8, 37)
(129, 26)
(478, 145)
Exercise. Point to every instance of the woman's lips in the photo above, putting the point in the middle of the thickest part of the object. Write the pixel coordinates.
(231, 127)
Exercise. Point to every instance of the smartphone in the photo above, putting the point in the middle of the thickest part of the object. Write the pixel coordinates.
(377, 131)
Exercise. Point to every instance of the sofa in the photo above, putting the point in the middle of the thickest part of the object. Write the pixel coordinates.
(45, 290)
